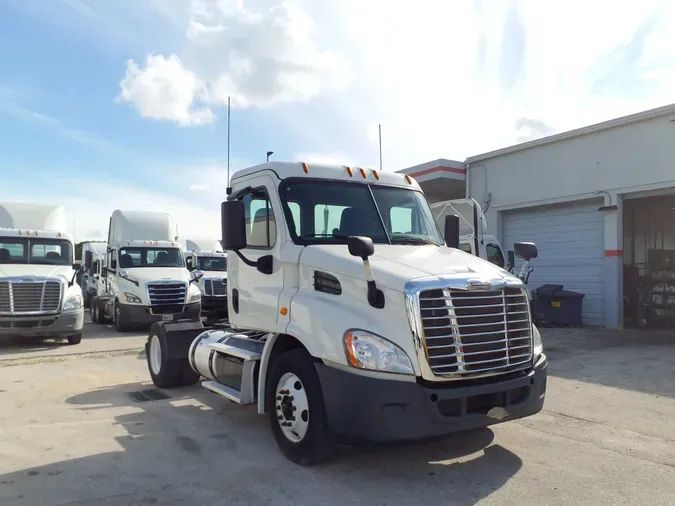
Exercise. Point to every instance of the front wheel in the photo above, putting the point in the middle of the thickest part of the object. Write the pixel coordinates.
(119, 326)
(296, 409)
(75, 339)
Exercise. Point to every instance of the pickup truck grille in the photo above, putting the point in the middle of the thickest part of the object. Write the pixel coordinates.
(215, 287)
(167, 292)
(29, 297)
(471, 332)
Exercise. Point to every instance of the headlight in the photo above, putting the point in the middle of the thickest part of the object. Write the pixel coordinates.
(131, 298)
(195, 296)
(537, 345)
(368, 351)
(73, 303)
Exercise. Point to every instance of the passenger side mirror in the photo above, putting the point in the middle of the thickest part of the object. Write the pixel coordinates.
(452, 231)
(361, 247)
(232, 216)
(525, 250)
(195, 275)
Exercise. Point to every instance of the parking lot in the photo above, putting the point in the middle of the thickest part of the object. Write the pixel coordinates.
(71, 432)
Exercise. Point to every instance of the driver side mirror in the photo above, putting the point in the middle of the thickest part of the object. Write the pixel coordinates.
(233, 225)
(525, 250)
(452, 231)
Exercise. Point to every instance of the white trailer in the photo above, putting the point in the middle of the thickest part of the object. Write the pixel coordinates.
(145, 275)
(38, 293)
(351, 320)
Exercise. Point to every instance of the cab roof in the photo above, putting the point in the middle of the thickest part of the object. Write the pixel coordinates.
(28, 233)
(286, 170)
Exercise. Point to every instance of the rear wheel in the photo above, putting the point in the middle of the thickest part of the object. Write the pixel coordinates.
(166, 372)
(296, 409)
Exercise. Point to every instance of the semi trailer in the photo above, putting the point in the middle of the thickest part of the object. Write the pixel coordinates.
(39, 296)
(351, 317)
(145, 275)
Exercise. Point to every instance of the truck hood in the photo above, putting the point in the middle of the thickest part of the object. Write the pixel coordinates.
(395, 265)
(29, 270)
(147, 274)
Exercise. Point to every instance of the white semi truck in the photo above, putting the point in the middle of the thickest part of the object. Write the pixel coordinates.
(145, 275)
(208, 261)
(38, 293)
(472, 225)
(369, 328)
(93, 261)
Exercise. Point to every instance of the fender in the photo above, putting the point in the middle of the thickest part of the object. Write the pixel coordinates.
(262, 373)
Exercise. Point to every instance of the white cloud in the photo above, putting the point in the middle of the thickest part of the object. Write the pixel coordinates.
(165, 89)
(260, 59)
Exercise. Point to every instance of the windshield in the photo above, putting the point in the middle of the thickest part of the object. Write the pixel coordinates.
(321, 212)
(35, 251)
(212, 263)
(151, 257)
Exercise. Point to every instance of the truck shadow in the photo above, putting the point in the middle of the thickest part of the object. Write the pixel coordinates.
(197, 448)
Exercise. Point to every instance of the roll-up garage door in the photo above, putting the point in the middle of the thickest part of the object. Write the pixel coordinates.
(570, 240)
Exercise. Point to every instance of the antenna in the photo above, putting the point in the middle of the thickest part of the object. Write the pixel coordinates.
(229, 188)
(379, 127)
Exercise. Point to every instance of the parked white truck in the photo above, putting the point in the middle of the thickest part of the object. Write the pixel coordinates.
(368, 328)
(207, 259)
(472, 225)
(145, 275)
(38, 293)
(93, 260)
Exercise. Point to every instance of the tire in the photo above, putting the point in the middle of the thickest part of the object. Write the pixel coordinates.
(312, 446)
(75, 339)
(165, 372)
(100, 311)
(119, 326)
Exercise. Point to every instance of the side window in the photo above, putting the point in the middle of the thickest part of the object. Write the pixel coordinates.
(401, 219)
(327, 219)
(261, 227)
(494, 255)
(112, 259)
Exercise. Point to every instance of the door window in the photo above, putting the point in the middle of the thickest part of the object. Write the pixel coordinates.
(112, 259)
(495, 255)
(261, 227)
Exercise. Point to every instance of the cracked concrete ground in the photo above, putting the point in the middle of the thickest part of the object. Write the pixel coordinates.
(71, 434)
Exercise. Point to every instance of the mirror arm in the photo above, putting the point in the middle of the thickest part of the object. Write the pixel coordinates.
(375, 296)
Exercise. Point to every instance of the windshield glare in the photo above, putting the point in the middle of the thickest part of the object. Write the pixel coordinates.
(35, 251)
(318, 212)
(211, 263)
(150, 257)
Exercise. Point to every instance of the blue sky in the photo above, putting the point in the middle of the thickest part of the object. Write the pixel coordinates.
(108, 105)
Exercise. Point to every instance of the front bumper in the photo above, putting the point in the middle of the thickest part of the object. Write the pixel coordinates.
(134, 315)
(360, 408)
(209, 302)
(57, 326)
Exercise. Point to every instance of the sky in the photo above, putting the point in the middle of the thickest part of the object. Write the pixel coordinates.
(123, 105)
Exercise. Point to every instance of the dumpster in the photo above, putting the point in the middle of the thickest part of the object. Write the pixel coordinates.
(557, 306)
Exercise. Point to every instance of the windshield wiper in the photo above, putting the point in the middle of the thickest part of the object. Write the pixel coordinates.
(408, 239)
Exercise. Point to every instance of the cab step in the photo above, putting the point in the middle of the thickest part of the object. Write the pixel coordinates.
(228, 392)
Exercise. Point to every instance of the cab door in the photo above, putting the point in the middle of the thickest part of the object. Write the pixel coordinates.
(253, 300)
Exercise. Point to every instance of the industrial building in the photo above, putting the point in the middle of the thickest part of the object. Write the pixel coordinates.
(599, 202)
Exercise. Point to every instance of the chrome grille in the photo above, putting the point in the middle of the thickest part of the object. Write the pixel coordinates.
(167, 292)
(470, 332)
(29, 297)
(215, 287)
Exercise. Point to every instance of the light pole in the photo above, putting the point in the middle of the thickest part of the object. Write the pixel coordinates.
(269, 153)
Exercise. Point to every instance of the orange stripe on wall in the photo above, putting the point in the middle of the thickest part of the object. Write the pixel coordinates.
(613, 253)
